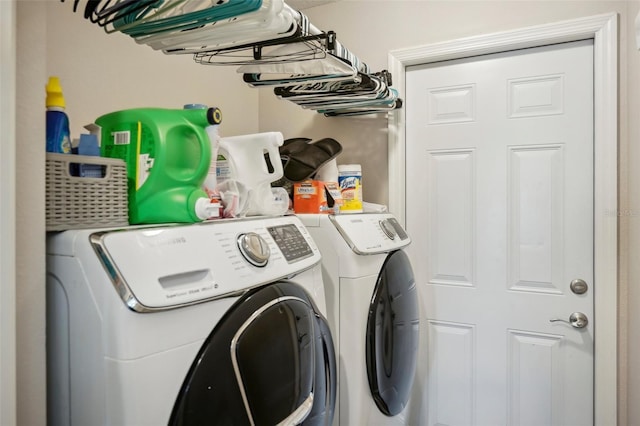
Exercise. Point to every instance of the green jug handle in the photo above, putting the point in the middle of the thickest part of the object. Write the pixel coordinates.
(213, 117)
(205, 149)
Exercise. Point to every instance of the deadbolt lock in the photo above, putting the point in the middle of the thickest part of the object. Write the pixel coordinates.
(578, 286)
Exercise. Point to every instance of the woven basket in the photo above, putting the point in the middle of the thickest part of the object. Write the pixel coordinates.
(75, 202)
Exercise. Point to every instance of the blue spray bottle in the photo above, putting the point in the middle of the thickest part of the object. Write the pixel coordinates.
(58, 137)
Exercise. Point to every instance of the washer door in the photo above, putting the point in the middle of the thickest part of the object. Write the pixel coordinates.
(269, 361)
(392, 335)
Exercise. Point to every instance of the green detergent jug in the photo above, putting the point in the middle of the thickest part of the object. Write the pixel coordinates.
(168, 154)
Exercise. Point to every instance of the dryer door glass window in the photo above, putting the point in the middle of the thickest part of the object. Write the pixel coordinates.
(392, 335)
(261, 365)
(283, 330)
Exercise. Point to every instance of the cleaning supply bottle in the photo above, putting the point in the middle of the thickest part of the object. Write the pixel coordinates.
(350, 181)
(58, 136)
(253, 163)
(168, 155)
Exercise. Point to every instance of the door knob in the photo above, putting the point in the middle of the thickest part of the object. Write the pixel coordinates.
(576, 320)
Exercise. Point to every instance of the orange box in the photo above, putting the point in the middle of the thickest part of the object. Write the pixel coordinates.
(314, 196)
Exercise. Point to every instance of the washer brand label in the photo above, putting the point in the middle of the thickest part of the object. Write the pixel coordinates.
(165, 242)
(177, 294)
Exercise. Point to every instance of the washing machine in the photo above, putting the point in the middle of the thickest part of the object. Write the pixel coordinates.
(372, 307)
(220, 323)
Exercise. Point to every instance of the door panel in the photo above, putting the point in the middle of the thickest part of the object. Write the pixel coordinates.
(500, 211)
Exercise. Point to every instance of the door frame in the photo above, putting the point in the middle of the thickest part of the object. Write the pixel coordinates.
(603, 29)
(8, 401)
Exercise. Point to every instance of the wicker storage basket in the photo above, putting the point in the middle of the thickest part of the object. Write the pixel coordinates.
(74, 202)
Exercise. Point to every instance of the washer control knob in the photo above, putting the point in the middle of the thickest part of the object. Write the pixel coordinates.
(388, 229)
(254, 248)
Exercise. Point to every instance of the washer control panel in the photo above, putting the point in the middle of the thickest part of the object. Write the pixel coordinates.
(157, 268)
(371, 233)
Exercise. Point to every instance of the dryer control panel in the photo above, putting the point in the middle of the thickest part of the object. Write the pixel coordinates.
(157, 268)
(371, 233)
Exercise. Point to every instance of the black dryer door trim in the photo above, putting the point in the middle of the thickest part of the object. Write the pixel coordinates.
(392, 334)
(270, 358)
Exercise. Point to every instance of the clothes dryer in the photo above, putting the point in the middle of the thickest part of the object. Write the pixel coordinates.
(213, 323)
(372, 306)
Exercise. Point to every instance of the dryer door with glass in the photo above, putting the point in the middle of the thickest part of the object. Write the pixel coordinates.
(392, 334)
(270, 360)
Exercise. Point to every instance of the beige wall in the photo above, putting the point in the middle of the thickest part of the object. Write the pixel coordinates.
(99, 73)
(7, 214)
(102, 73)
(30, 263)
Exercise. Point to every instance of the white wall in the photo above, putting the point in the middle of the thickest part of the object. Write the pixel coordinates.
(102, 73)
(372, 28)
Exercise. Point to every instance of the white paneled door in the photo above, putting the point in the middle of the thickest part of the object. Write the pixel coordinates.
(500, 210)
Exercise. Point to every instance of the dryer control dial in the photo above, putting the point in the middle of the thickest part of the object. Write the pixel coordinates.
(388, 229)
(254, 248)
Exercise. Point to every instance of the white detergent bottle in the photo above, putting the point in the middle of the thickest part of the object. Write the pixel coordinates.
(253, 163)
